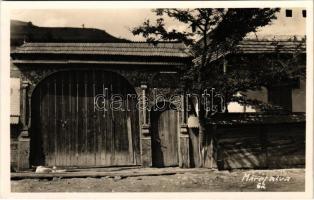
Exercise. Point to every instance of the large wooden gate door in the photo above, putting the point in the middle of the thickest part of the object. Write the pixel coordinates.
(69, 130)
(164, 127)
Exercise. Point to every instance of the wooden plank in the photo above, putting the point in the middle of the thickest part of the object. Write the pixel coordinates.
(184, 149)
(136, 130)
(38, 154)
(63, 142)
(194, 139)
(98, 134)
(90, 157)
(45, 120)
(175, 137)
(67, 118)
(71, 117)
(171, 138)
(162, 134)
(130, 139)
(77, 121)
(18, 176)
(85, 121)
(93, 144)
(55, 123)
(111, 119)
(48, 130)
(121, 156)
(122, 140)
(95, 132)
(128, 125)
(87, 135)
(124, 157)
(81, 119)
(108, 120)
(39, 137)
(168, 139)
(156, 149)
(116, 125)
(130, 114)
(103, 120)
(60, 122)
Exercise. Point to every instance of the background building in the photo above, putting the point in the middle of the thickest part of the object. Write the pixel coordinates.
(289, 26)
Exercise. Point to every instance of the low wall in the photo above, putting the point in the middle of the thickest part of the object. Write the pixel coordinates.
(259, 145)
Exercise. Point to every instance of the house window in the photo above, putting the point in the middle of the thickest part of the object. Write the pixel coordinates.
(304, 13)
(288, 13)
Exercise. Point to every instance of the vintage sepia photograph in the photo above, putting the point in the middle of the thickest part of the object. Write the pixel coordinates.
(163, 99)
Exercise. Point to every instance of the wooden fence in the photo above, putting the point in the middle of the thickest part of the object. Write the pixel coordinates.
(271, 143)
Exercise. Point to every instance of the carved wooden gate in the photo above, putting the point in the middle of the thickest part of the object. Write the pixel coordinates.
(69, 130)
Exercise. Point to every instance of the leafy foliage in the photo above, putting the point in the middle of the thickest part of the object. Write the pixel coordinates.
(216, 31)
(209, 31)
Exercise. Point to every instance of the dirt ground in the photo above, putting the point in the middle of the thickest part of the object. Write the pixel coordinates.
(195, 180)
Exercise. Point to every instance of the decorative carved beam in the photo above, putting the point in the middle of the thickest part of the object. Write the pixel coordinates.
(24, 132)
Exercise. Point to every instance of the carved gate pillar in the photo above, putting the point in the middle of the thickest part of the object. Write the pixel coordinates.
(146, 139)
(24, 139)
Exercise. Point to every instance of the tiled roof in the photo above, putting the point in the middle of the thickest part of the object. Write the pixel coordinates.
(124, 49)
(253, 46)
(263, 46)
(272, 37)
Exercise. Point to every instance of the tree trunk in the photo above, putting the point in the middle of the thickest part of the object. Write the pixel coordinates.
(206, 141)
(202, 132)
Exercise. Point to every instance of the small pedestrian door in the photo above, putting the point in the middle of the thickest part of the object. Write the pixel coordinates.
(164, 128)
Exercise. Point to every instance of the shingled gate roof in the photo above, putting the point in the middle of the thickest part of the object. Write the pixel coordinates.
(121, 49)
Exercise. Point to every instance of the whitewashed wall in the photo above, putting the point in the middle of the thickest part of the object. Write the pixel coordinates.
(299, 98)
(15, 100)
(260, 95)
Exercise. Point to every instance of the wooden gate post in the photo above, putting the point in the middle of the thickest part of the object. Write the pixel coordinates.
(24, 139)
(184, 147)
(146, 139)
(184, 138)
(146, 142)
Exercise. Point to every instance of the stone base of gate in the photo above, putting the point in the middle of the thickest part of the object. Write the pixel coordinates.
(146, 149)
(23, 153)
(184, 147)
